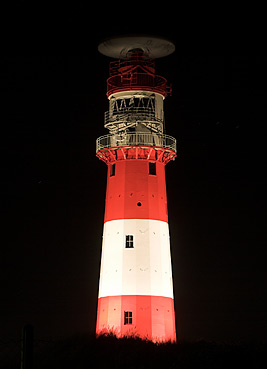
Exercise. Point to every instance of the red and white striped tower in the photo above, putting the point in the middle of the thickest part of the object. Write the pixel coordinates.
(135, 287)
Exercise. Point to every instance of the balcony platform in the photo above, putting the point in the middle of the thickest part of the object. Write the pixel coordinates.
(132, 146)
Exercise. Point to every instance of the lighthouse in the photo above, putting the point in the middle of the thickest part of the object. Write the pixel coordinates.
(135, 287)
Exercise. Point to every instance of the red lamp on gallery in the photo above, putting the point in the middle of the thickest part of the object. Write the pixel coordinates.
(135, 286)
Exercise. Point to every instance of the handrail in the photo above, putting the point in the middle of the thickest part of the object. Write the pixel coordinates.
(119, 66)
(136, 139)
(136, 80)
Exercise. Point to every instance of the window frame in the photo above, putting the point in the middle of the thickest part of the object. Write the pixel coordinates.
(129, 241)
(152, 168)
(112, 170)
(128, 317)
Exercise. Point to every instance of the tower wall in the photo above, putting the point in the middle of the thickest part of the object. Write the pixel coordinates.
(136, 279)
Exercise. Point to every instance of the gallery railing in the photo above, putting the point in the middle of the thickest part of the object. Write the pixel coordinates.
(136, 139)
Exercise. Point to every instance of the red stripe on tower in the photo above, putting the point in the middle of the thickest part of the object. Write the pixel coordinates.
(135, 192)
(135, 287)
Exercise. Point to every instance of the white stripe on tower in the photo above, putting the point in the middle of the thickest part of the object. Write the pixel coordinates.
(144, 269)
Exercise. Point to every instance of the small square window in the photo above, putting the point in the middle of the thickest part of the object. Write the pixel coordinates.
(152, 169)
(112, 170)
(128, 317)
(129, 241)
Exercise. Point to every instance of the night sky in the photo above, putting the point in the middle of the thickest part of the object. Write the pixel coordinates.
(53, 192)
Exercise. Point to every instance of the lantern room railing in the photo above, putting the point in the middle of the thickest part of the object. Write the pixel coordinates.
(137, 81)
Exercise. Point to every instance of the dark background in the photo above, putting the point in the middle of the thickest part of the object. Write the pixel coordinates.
(53, 191)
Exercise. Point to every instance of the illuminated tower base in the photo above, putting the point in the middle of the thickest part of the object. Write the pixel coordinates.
(135, 287)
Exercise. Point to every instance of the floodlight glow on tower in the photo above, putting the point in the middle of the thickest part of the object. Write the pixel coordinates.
(135, 287)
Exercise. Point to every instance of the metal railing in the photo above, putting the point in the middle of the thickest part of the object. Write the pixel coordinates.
(136, 80)
(131, 115)
(119, 66)
(136, 139)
